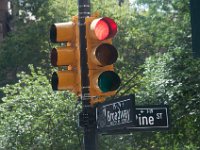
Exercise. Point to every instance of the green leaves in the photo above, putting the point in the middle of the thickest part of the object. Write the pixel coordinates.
(154, 49)
(173, 78)
(33, 116)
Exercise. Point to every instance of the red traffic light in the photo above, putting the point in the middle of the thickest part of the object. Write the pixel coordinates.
(104, 28)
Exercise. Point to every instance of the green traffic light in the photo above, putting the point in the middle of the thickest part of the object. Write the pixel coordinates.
(108, 81)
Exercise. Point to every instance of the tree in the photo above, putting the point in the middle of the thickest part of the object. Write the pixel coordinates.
(28, 42)
(34, 117)
(153, 33)
(4, 21)
(173, 78)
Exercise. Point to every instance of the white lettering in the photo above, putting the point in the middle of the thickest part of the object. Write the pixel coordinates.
(144, 120)
(118, 117)
(159, 116)
(149, 111)
(151, 120)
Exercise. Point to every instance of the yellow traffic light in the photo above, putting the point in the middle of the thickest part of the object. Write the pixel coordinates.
(67, 56)
(101, 56)
(63, 32)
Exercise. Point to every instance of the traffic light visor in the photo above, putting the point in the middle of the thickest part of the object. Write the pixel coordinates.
(104, 28)
(62, 32)
(54, 57)
(54, 81)
(63, 80)
(108, 81)
(53, 33)
(62, 56)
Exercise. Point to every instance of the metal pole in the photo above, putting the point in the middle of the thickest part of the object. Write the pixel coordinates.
(88, 113)
(195, 22)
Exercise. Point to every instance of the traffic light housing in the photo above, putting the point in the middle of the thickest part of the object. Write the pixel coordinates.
(66, 57)
(101, 57)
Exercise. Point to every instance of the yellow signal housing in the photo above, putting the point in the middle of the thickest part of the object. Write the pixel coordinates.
(101, 56)
(63, 32)
(67, 56)
(63, 55)
(63, 80)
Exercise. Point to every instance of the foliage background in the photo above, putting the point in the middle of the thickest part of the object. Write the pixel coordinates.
(155, 62)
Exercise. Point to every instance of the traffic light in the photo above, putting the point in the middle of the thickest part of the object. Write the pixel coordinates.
(66, 57)
(101, 56)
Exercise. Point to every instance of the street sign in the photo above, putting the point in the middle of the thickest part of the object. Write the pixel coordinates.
(151, 118)
(148, 118)
(115, 114)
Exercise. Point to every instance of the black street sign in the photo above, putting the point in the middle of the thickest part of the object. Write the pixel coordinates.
(116, 113)
(148, 118)
(152, 117)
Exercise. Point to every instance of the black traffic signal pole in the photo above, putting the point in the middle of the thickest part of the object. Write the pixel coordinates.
(87, 117)
(195, 22)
